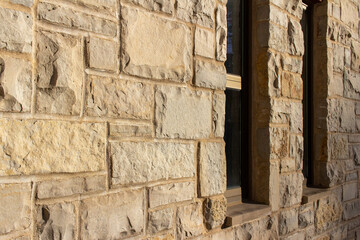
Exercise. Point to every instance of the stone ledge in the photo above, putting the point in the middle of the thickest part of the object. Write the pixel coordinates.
(245, 212)
(313, 194)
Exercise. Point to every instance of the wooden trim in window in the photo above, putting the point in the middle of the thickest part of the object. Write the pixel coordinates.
(233, 81)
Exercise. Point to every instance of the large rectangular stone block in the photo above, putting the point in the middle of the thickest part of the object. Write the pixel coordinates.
(114, 216)
(204, 43)
(103, 54)
(210, 75)
(140, 162)
(14, 207)
(290, 189)
(145, 54)
(160, 220)
(37, 147)
(182, 113)
(116, 98)
(16, 30)
(189, 221)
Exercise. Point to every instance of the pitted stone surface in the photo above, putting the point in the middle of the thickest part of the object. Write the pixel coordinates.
(182, 113)
(214, 211)
(107, 97)
(289, 189)
(140, 162)
(189, 221)
(165, 6)
(196, 11)
(221, 33)
(114, 216)
(160, 220)
(16, 30)
(146, 55)
(110, 6)
(210, 75)
(37, 146)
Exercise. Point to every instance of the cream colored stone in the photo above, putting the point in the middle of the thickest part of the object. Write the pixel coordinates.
(212, 168)
(170, 193)
(210, 75)
(60, 73)
(166, 6)
(114, 216)
(15, 84)
(144, 54)
(131, 130)
(27, 3)
(221, 33)
(140, 162)
(36, 146)
(14, 207)
(291, 189)
(219, 114)
(349, 13)
(109, 6)
(119, 99)
(160, 220)
(196, 11)
(355, 56)
(181, 113)
(104, 54)
(204, 43)
(215, 211)
(15, 30)
(56, 222)
(70, 18)
(189, 221)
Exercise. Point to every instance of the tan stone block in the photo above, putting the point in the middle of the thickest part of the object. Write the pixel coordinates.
(16, 30)
(215, 212)
(212, 169)
(116, 98)
(56, 221)
(15, 201)
(291, 189)
(219, 114)
(104, 54)
(156, 5)
(160, 220)
(131, 130)
(67, 17)
(339, 147)
(285, 84)
(15, 84)
(221, 33)
(26, 3)
(140, 162)
(349, 13)
(328, 213)
(37, 146)
(197, 11)
(170, 193)
(210, 75)
(204, 43)
(146, 55)
(109, 6)
(288, 221)
(182, 113)
(355, 56)
(279, 142)
(189, 221)
(113, 216)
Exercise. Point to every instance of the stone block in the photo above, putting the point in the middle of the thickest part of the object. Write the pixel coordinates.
(294, 7)
(297, 150)
(347, 57)
(219, 114)
(350, 191)
(140, 162)
(291, 64)
(210, 75)
(198, 11)
(355, 56)
(160, 220)
(295, 38)
(335, 172)
(212, 168)
(287, 165)
(288, 221)
(339, 58)
(144, 54)
(70, 18)
(291, 189)
(108, 6)
(221, 33)
(279, 143)
(278, 39)
(355, 154)
(351, 177)
(56, 221)
(104, 54)
(113, 216)
(352, 209)
(171, 193)
(327, 213)
(339, 147)
(68, 187)
(222, 235)
(349, 13)
(38, 147)
(277, 16)
(189, 221)
(131, 130)
(280, 111)
(16, 30)
(215, 212)
(15, 203)
(156, 5)
(263, 228)
(336, 85)
(204, 43)
(182, 113)
(306, 219)
(26, 3)
(15, 84)
(342, 117)
(114, 98)
(60, 73)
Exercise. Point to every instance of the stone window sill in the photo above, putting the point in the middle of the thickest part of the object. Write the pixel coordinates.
(245, 212)
(314, 194)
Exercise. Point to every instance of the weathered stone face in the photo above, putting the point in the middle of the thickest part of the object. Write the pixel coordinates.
(189, 221)
(204, 43)
(197, 11)
(221, 33)
(49, 146)
(165, 6)
(104, 54)
(160, 220)
(146, 55)
(214, 212)
(210, 75)
(27, 3)
(290, 189)
(219, 114)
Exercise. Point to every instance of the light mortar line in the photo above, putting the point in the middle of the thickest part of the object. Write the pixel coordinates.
(24, 56)
(34, 60)
(16, 7)
(33, 209)
(107, 157)
(84, 80)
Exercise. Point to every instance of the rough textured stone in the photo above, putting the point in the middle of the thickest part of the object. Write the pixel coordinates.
(339, 58)
(204, 43)
(197, 11)
(99, 5)
(68, 187)
(219, 114)
(131, 130)
(290, 189)
(222, 235)
(221, 33)
(70, 18)
(214, 212)
(280, 111)
(336, 85)
(352, 209)
(116, 98)
(14, 207)
(291, 64)
(278, 17)
(350, 191)
(170, 193)
(212, 168)
(181, 113)
(113, 216)
(35, 146)
(15, 84)
(104, 54)
(355, 56)
(144, 54)
(356, 154)
(264, 228)
(279, 141)
(342, 117)
(297, 150)
(56, 222)
(328, 213)
(348, 13)
(306, 218)
(138, 162)
(288, 221)
(15, 30)
(27, 3)
(165, 6)
(335, 172)
(210, 75)
(339, 147)
(189, 221)
(160, 220)
(295, 38)
(60, 73)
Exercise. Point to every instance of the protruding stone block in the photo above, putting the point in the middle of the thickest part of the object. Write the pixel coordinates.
(196, 11)
(215, 212)
(204, 43)
(288, 221)
(291, 189)
(221, 33)
(160, 220)
(210, 75)
(189, 221)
